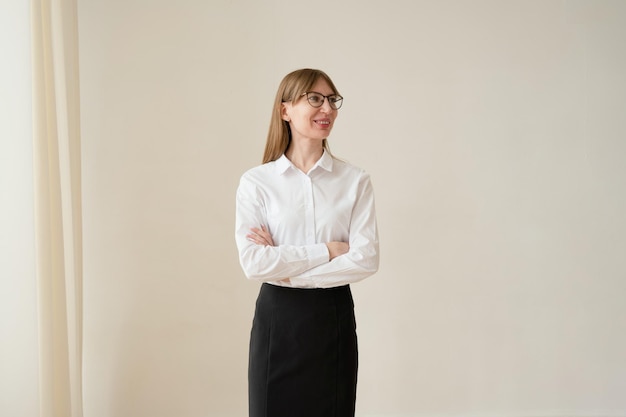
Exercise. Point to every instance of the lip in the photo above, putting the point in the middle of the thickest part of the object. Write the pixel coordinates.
(323, 123)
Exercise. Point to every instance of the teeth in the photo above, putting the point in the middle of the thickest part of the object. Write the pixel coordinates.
(323, 122)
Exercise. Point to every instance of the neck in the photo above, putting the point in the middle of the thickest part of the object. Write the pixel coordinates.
(304, 155)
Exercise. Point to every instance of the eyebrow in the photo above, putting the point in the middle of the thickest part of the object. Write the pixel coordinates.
(325, 95)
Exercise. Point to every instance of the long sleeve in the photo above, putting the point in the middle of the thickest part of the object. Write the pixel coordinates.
(334, 202)
(363, 258)
(269, 263)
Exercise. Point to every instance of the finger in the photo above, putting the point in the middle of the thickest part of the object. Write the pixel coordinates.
(261, 236)
(261, 232)
(264, 234)
(259, 240)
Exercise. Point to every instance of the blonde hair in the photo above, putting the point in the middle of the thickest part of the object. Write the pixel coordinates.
(291, 88)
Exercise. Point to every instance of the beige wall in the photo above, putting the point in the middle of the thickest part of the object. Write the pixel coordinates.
(495, 135)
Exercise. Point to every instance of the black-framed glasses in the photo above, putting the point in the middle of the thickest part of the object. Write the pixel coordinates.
(317, 99)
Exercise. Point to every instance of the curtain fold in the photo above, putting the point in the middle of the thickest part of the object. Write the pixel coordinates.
(58, 218)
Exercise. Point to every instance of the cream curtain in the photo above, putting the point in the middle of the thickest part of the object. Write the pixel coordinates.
(58, 225)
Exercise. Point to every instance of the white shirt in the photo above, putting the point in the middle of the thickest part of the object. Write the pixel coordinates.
(334, 201)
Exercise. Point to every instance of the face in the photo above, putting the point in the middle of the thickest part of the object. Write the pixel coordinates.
(308, 122)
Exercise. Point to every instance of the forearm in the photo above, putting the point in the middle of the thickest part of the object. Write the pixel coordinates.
(275, 263)
(346, 269)
(358, 263)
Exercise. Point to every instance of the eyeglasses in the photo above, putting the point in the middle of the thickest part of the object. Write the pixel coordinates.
(317, 100)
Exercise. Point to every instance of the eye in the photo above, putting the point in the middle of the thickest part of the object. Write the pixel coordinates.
(335, 99)
(315, 98)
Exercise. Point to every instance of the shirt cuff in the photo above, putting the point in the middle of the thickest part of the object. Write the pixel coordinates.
(318, 254)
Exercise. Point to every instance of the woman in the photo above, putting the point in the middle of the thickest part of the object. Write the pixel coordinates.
(306, 228)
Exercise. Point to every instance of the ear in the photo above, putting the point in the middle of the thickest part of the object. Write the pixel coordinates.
(284, 112)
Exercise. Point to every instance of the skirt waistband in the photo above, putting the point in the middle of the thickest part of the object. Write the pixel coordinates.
(295, 298)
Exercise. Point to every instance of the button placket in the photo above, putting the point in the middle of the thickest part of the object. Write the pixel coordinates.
(309, 210)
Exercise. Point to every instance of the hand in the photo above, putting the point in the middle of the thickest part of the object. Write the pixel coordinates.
(260, 236)
(337, 248)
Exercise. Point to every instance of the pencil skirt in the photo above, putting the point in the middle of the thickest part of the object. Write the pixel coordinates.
(303, 353)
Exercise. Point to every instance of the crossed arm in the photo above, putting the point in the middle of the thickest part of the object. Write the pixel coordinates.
(261, 236)
(312, 265)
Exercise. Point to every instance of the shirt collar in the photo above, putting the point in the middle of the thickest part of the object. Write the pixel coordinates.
(325, 162)
(282, 164)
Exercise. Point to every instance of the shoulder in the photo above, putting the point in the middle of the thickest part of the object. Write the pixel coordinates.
(254, 181)
(259, 174)
(347, 169)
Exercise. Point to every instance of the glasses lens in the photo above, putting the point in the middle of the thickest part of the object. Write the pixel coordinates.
(335, 101)
(315, 100)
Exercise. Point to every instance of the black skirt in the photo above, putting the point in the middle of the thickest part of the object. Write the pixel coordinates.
(303, 353)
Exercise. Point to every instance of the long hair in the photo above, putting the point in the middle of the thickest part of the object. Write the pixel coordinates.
(291, 88)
